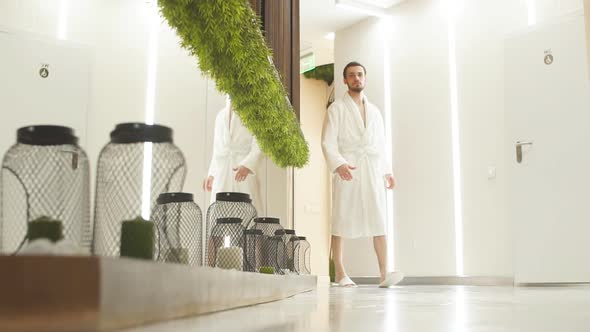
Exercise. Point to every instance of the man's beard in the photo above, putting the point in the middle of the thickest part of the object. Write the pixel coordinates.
(356, 88)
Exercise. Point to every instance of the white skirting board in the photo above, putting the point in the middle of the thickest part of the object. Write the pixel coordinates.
(51, 293)
(443, 280)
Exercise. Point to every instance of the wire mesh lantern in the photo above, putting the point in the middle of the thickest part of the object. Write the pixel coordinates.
(229, 205)
(226, 244)
(302, 255)
(179, 223)
(45, 174)
(287, 235)
(267, 225)
(138, 164)
(277, 255)
(254, 242)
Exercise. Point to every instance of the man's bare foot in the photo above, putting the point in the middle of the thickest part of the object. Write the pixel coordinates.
(346, 282)
(391, 279)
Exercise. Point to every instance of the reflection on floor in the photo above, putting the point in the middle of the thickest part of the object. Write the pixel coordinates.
(407, 308)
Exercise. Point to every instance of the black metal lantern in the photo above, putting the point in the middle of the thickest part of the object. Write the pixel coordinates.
(229, 205)
(232, 205)
(179, 223)
(270, 248)
(287, 235)
(277, 256)
(226, 244)
(45, 174)
(254, 248)
(138, 164)
(267, 225)
(302, 255)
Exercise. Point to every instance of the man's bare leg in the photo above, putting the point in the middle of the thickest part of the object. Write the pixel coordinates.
(380, 244)
(387, 278)
(337, 257)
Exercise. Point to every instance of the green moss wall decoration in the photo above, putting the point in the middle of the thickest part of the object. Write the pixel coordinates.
(226, 37)
(323, 72)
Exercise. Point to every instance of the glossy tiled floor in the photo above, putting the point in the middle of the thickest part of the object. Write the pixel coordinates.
(406, 308)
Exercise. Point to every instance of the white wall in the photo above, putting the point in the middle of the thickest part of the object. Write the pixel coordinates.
(421, 123)
(312, 196)
(487, 234)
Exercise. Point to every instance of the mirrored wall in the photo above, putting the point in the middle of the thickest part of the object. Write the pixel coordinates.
(91, 64)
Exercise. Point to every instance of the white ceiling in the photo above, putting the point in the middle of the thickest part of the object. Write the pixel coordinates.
(320, 17)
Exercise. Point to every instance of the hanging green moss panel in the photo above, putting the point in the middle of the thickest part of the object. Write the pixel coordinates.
(323, 72)
(226, 38)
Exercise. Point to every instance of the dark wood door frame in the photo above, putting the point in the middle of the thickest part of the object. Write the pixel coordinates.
(280, 19)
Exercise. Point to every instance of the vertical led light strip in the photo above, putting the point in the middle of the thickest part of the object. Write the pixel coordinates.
(457, 195)
(152, 64)
(150, 97)
(532, 12)
(386, 26)
(62, 21)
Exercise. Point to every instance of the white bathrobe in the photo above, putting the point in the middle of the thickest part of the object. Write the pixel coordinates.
(358, 206)
(233, 145)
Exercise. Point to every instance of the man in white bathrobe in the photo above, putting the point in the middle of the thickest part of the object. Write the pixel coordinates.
(353, 141)
(234, 160)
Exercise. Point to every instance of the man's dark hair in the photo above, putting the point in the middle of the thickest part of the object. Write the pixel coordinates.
(353, 64)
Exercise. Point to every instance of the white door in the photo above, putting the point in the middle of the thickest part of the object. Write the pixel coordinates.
(548, 112)
(42, 82)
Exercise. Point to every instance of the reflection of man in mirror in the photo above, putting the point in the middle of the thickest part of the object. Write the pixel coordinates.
(353, 141)
(234, 159)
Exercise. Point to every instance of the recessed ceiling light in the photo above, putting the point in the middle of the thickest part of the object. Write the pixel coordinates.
(330, 36)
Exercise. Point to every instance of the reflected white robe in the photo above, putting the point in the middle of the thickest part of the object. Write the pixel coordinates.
(358, 206)
(234, 145)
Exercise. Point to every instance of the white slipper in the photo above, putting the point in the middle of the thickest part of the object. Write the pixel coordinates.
(346, 282)
(391, 279)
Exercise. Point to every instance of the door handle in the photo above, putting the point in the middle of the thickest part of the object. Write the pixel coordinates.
(519, 145)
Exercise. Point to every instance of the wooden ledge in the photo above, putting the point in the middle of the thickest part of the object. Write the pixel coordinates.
(60, 293)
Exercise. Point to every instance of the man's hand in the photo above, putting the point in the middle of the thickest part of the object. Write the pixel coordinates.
(208, 183)
(241, 173)
(344, 171)
(390, 181)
